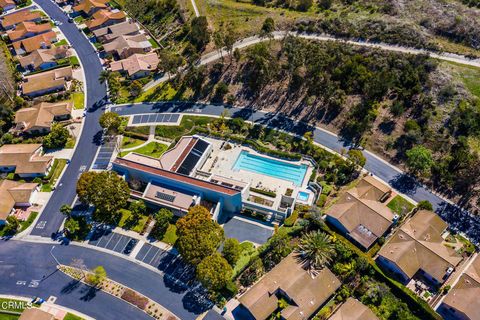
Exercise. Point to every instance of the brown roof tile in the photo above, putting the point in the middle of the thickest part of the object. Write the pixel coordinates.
(36, 42)
(25, 157)
(46, 80)
(20, 16)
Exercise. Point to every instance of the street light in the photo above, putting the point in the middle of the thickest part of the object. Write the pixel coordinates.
(51, 253)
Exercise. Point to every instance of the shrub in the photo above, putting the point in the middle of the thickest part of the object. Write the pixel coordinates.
(135, 299)
(267, 193)
(290, 220)
(424, 205)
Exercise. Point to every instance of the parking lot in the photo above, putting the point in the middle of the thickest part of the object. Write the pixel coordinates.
(105, 238)
(157, 118)
(173, 267)
(105, 154)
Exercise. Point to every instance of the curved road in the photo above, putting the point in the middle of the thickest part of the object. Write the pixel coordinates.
(17, 259)
(86, 149)
(216, 55)
(456, 218)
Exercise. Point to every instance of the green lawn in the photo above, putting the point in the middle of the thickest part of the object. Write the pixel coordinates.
(70, 316)
(70, 143)
(153, 149)
(186, 125)
(153, 43)
(27, 223)
(469, 75)
(163, 91)
(78, 100)
(400, 205)
(170, 235)
(74, 61)
(4, 306)
(128, 142)
(62, 42)
(128, 223)
(79, 19)
(248, 252)
(55, 171)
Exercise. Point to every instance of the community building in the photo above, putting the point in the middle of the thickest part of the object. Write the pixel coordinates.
(462, 301)
(137, 65)
(103, 18)
(11, 20)
(361, 212)
(352, 309)
(112, 32)
(305, 291)
(125, 46)
(15, 194)
(42, 59)
(39, 118)
(26, 160)
(46, 82)
(418, 249)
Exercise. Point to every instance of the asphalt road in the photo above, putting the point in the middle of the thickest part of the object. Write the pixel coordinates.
(25, 261)
(457, 219)
(51, 219)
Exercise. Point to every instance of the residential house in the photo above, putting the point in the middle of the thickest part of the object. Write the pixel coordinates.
(112, 32)
(46, 82)
(418, 247)
(104, 18)
(27, 29)
(41, 41)
(39, 118)
(137, 65)
(305, 291)
(89, 7)
(361, 214)
(352, 309)
(15, 194)
(9, 21)
(7, 5)
(462, 301)
(125, 46)
(42, 59)
(26, 160)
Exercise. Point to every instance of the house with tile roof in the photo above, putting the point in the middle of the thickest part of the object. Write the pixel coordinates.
(27, 29)
(39, 118)
(89, 7)
(15, 194)
(26, 160)
(7, 5)
(40, 41)
(112, 32)
(125, 46)
(103, 18)
(42, 59)
(462, 301)
(352, 309)
(137, 65)
(46, 82)
(305, 291)
(9, 21)
(418, 247)
(361, 213)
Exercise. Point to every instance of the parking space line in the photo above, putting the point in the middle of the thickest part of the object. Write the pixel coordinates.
(143, 259)
(116, 244)
(151, 260)
(109, 239)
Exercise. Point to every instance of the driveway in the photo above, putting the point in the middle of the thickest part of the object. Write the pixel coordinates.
(89, 141)
(458, 219)
(24, 261)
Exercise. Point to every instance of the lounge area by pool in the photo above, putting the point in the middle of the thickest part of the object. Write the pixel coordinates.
(270, 167)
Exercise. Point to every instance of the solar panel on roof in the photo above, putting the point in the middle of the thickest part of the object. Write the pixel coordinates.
(136, 119)
(152, 117)
(165, 197)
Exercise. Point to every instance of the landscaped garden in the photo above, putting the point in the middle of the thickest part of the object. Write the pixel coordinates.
(49, 181)
(152, 149)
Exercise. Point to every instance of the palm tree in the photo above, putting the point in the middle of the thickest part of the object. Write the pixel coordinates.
(104, 76)
(316, 250)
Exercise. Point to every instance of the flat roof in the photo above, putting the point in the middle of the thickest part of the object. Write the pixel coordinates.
(170, 196)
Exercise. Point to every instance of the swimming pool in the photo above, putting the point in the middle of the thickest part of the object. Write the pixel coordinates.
(303, 196)
(270, 167)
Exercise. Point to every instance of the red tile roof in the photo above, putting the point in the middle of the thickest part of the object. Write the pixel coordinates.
(175, 176)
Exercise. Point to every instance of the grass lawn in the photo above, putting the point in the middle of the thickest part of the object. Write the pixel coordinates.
(70, 316)
(6, 307)
(248, 252)
(153, 43)
(78, 100)
(70, 143)
(128, 142)
(186, 125)
(469, 75)
(163, 91)
(126, 221)
(79, 19)
(400, 205)
(62, 42)
(74, 61)
(153, 149)
(170, 235)
(25, 224)
(55, 171)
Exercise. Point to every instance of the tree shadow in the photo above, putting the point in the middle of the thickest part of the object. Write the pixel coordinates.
(71, 287)
(89, 293)
(196, 301)
(405, 183)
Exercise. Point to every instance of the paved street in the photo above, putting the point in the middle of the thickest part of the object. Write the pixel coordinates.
(457, 219)
(23, 261)
(51, 219)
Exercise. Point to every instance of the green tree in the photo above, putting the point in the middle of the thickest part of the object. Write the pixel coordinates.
(97, 276)
(104, 76)
(105, 190)
(325, 4)
(268, 27)
(231, 251)
(316, 249)
(425, 205)
(214, 272)
(110, 121)
(198, 235)
(135, 88)
(138, 208)
(419, 160)
(162, 221)
(71, 226)
(356, 157)
(261, 66)
(199, 33)
(237, 55)
(304, 5)
(12, 225)
(57, 138)
(66, 210)
(169, 62)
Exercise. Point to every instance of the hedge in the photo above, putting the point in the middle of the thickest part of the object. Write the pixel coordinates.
(290, 220)
(267, 193)
(135, 135)
(135, 299)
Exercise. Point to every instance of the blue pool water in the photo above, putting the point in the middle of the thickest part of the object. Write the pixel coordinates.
(270, 167)
(303, 196)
